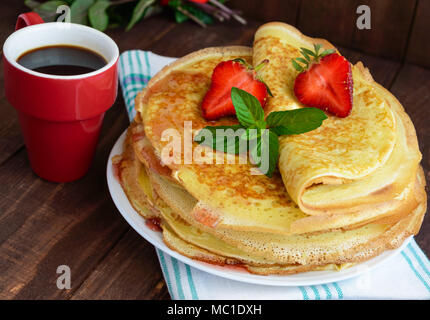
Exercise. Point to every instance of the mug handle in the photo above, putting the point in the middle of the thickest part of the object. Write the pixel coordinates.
(28, 19)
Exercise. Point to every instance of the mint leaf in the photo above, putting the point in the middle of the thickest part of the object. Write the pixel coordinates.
(281, 130)
(98, 16)
(32, 4)
(264, 152)
(252, 133)
(79, 11)
(223, 138)
(47, 10)
(295, 121)
(248, 109)
(138, 12)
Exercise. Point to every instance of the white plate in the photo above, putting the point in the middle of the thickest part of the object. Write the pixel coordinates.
(155, 238)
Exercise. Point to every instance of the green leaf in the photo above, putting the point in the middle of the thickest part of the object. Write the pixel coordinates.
(296, 65)
(265, 152)
(309, 52)
(261, 124)
(199, 14)
(79, 11)
(251, 133)
(241, 61)
(302, 60)
(48, 10)
(268, 89)
(98, 16)
(248, 108)
(317, 48)
(295, 121)
(265, 84)
(180, 17)
(327, 52)
(224, 138)
(51, 6)
(281, 131)
(138, 12)
(305, 55)
(32, 4)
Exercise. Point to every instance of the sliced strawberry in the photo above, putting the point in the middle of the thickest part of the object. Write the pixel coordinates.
(327, 84)
(227, 74)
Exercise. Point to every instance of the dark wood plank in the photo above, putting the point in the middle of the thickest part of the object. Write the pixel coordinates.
(9, 13)
(10, 134)
(383, 71)
(125, 273)
(265, 11)
(412, 89)
(143, 34)
(43, 224)
(335, 21)
(419, 45)
(391, 25)
(188, 37)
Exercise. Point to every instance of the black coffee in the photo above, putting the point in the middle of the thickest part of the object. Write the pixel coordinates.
(62, 60)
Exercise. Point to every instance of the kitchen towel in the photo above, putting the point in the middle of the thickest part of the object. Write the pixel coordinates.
(405, 276)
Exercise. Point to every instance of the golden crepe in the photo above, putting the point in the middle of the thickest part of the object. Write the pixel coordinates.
(367, 159)
(196, 243)
(344, 193)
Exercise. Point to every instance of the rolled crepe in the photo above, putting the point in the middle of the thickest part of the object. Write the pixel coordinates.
(365, 164)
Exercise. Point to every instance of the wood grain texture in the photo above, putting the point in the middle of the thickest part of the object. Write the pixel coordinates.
(412, 89)
(10, 134)
(264, 11)
(383, 71)
(336, 20)
(419, 46)
(125, 273)
(188, 37)
(333, 20)
(44, 225)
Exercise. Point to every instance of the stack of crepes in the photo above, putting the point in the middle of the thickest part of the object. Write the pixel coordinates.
(343, 193)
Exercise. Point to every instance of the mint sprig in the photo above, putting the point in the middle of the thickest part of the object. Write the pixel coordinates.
(260, 134)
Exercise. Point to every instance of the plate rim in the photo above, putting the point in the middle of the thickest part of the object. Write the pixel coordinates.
(118, 195)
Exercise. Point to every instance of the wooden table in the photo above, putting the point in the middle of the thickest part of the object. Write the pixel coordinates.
(44, 225)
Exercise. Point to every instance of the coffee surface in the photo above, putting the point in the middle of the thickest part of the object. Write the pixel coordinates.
(62, 60)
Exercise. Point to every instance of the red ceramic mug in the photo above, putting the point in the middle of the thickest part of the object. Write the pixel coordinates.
(60, 116)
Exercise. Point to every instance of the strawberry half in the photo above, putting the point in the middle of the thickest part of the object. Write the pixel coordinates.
(325, 82)
(226, 75)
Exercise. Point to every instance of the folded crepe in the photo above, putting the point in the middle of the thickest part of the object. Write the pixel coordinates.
(365, 163)
(344, 193)
(259, 253)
